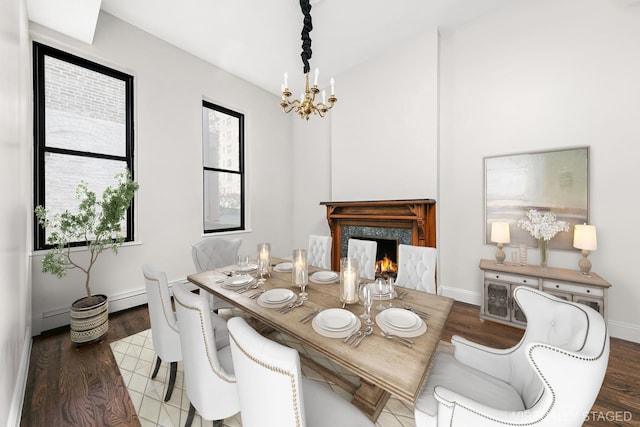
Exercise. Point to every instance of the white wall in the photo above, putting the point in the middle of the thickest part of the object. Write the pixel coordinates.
(542, 75)
(169, 87)
(384, 128)
(311, 177)
(15, 151)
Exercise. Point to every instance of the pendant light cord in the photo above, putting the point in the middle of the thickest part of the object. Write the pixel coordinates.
(306, 29)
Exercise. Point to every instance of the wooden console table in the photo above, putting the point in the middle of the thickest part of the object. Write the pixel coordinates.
(499, 282)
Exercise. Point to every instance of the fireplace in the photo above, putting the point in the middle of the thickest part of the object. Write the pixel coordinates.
(388, 222)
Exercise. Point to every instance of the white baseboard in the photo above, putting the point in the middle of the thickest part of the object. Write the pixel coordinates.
(624, 331)
(15, 411)
(463, 295)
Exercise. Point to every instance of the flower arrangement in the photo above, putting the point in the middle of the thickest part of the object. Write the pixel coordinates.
(542, 225)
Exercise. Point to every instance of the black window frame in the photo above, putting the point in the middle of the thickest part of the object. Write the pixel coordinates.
(40, 51)
(240, 171)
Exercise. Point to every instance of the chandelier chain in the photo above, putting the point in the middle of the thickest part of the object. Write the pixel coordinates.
(306, 38)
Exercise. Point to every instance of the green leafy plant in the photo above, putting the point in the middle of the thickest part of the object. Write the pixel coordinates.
(97, 223)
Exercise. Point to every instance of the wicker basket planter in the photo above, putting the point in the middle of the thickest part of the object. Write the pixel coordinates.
(89, 322)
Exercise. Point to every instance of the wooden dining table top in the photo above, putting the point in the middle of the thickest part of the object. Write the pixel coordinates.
(383, 362)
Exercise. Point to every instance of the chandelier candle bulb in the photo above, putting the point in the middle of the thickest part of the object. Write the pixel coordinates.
(333, 86)
(286, 77)
(315, 80)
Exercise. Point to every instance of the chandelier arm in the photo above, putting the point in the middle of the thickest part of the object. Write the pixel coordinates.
(305, 6)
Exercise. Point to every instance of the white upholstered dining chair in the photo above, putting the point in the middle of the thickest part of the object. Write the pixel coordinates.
(550, 378)
(365, 252)
(164, 326)
(417, 268)
(272, 391)
(212, 253)
(319, 251)
(210, 382)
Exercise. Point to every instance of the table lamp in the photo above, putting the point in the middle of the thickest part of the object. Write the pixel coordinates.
(584, 238)
(500, 235)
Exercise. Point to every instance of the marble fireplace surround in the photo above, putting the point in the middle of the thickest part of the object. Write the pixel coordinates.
(411, 222)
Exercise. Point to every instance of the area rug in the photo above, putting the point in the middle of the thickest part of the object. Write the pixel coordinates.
(136, 358)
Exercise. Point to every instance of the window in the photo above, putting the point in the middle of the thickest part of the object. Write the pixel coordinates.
(223, 168)
(83, 130)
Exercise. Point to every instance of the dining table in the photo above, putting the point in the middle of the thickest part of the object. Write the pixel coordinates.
(385, 366)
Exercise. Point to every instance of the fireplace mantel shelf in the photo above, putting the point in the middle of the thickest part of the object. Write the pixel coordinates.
(418, 215)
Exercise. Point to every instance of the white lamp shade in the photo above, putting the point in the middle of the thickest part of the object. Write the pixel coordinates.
(500, 232)
(584, 237)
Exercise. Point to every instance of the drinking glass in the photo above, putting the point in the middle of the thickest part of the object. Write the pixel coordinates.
(380, 289)
(243, 262)
(390, 288)
(367, 301)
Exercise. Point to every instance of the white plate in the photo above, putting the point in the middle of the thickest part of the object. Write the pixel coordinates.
(276, 296)
(401, 319)
(324, 276)
(248, 267)
(336, 319)
(283, 266)
(240, 280)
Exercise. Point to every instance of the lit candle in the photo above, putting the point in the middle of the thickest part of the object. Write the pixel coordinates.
(298, 266)
(349, 279)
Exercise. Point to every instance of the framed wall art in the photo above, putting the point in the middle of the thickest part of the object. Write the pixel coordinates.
(556, 181)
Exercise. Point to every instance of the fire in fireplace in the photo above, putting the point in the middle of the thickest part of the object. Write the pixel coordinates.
(386, 255)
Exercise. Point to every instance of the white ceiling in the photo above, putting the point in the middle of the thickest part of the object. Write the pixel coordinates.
(260, 39)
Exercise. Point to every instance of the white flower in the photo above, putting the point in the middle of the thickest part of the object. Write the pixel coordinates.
(542, 225)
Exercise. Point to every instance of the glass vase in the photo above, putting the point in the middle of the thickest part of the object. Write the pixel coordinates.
(544, 253)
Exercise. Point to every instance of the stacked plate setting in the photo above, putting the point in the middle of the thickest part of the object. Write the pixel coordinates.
(400, 322)
(276, 298)
(283, 267)
(237, 282)
(335, 323)
(324, 277)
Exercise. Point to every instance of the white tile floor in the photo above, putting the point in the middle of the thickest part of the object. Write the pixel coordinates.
(136, 358)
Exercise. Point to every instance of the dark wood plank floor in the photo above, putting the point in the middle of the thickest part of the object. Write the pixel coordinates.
(82, 387)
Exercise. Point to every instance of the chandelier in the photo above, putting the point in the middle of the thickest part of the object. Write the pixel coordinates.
(306, 105)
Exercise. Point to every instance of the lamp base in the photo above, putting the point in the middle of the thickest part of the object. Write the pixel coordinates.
(585, 264)
(500, 255)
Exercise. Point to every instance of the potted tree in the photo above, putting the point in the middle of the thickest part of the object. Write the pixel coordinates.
(97, 224)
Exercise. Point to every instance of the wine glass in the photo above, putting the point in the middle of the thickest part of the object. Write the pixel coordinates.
(367, 301)
(380, 289)
(390, 288)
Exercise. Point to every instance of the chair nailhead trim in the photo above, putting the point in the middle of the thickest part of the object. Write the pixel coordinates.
(291, 376)
(206, 346)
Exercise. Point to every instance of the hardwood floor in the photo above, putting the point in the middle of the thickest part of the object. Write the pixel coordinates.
(82, 387)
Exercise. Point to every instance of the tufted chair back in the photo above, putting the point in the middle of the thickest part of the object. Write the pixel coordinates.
(550, 378)
(319, 252)
(164, 326)
(417, 268)
(210, 382)
(365, 252)
(214, 253)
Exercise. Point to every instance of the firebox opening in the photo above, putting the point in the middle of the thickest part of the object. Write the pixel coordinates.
(386, 255)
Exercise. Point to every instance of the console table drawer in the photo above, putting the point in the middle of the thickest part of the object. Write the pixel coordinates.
(523, 280)
(574, 289)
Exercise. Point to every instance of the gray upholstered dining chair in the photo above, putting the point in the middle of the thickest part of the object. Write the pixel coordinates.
(164, 326)
(212, 253)
(272, 391)
(417, 268)
(365, 252)
(550, 378)
(209, 379)
(319, 251)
